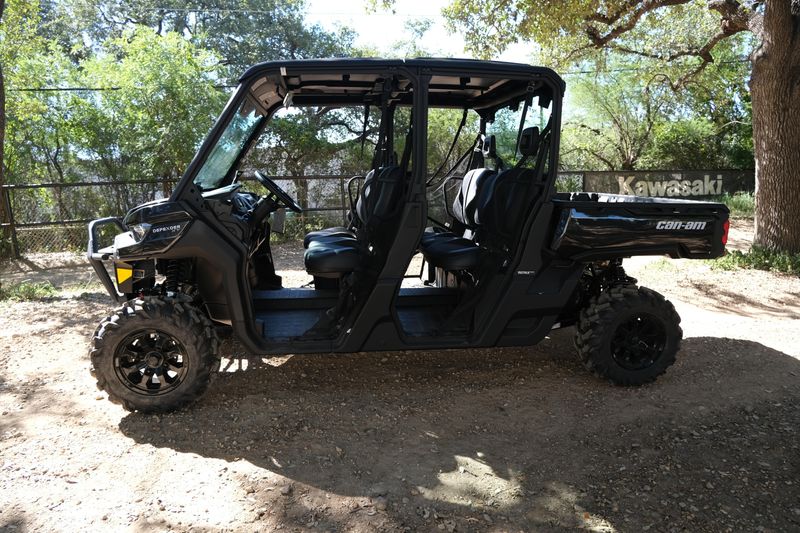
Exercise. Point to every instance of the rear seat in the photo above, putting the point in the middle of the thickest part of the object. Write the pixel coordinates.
(448, 250)
(489, 206)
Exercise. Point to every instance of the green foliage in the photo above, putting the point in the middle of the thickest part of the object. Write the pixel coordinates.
(569, 183)
(628, 119)
(28, 290)
(629, 116)
(560, 28)
(741, 204)
(442, 127)
(759, 259)
(296, 227)
(37, 124)
(165, 102)
(614, 122)
(239, 32)
(684, 144)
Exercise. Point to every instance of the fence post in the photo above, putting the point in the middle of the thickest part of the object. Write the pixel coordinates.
(10, 213)
(344, 200)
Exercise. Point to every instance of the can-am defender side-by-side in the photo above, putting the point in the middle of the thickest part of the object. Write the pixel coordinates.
(507, 261)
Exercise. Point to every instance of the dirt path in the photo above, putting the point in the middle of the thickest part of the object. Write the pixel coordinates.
(462, 440)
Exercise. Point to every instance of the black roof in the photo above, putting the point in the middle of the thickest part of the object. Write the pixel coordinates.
(454, 82)
(467, 66)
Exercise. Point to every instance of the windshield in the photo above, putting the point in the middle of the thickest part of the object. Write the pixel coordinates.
(229, 146)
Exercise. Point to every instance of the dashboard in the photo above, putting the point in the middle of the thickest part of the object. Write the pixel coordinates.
(230, 196)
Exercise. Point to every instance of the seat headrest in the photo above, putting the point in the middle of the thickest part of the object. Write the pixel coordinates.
(490, 146)
(529, 141)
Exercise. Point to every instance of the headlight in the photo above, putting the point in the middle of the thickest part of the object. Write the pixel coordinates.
(140, 230)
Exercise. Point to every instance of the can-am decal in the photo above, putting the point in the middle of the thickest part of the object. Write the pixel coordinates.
(705, 187)
(681, 225)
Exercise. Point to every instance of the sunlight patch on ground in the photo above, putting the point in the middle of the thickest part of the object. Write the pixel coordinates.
(473, 483)
(251, 362)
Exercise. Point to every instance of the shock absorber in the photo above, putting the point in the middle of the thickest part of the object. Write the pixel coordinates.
(617, 272)
(172, 273)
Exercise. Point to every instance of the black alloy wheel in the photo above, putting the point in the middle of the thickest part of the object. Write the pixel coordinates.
(150, 362)
(639, 341)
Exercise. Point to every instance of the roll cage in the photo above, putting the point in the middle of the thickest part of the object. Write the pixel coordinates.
(482, 86)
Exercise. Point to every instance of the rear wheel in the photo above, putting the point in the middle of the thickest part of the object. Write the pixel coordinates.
(628, 334)
(154, 354)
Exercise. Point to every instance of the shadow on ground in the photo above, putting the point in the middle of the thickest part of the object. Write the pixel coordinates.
(736, 301)
(506, 439)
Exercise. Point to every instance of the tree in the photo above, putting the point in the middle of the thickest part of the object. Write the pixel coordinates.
(616, 119)
(305, 141)
(163, 100)
(17, 38)
(625, 117)
(646, 29)
(2, 117)
(240, 32)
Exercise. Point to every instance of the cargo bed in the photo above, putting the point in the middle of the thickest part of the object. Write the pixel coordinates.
(592, 226)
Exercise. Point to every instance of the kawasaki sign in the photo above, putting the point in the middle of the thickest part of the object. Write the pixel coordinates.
(690, 184)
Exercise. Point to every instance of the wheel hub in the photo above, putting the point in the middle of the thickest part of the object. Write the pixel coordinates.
(154, 359)
(638, 342)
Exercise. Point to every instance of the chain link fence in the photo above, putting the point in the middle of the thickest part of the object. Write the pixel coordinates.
(50, 217)
(45, 218)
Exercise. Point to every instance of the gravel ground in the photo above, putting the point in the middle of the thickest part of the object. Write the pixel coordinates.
(459, 440)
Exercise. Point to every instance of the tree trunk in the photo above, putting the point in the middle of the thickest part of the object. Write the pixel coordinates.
(3, 215)
(775, 90)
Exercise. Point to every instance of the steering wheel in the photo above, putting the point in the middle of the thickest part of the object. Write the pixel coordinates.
(282, 195)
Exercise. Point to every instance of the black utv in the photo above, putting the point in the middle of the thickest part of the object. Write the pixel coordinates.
(505, 258)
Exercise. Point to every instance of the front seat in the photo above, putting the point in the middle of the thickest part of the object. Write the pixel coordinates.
(332, 253)
(342, 231)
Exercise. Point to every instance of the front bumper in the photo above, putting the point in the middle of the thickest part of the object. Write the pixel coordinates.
(97, 256)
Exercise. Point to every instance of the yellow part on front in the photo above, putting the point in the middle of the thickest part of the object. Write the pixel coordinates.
(124, 274)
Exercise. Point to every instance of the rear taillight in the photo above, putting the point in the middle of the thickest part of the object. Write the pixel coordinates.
(725, 227)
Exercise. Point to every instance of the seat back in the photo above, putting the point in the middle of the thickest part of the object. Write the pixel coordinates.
(379, 207)
(381, 197)
(466, 202)
(507, 196)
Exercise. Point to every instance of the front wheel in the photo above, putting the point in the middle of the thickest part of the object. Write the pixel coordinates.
(628, 334)
(154, 354)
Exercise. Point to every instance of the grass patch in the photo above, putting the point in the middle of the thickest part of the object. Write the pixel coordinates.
(759, 259)
(662, 265)
(741, 204)
(27, 290)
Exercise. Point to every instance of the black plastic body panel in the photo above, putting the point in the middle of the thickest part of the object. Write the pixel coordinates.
(593, 227)
(167, 221)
